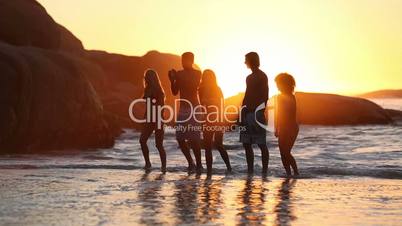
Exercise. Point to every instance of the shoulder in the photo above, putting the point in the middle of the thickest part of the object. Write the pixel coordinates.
(279, 97)
(249, 77)
(282, 98)
(220, 92)
(287, 98)
(196, 72)
(262, 75)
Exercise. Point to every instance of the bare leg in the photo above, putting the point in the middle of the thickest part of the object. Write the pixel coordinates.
(285, 161)
(208, 150)
(209, 160)
(292, 160)
(286, 142)
(250, 157)
(222, 150)
(265, 157)
(186, 152)
(293, 163)
(145, 134)
(195, 145)
(159, 145)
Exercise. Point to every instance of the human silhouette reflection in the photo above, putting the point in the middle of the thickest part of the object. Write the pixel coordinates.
(186, 199)
(150, 198)
(283, 209)
(210, 200)
(251, 200)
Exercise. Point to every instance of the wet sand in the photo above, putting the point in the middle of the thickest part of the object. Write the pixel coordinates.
(132, 197)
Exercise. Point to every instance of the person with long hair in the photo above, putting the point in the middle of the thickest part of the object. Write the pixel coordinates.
(211, 98)
(286, 126)
(155, 97)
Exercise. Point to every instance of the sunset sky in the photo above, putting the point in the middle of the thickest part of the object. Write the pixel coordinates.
(340, 46)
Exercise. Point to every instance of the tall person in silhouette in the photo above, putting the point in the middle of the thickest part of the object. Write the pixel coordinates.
(252, 115)
(211, 98)
(155, 97)
(188, 129)
(286, 126)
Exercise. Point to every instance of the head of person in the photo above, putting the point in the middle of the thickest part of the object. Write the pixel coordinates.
(187, 60)
(152, 84)
(208, 79)
(286, 83)
(252, 60)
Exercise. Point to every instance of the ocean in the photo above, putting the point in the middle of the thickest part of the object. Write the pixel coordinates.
(350, 175)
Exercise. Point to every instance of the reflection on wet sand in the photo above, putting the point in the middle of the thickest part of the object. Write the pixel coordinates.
(151, 199)
(216, 200)
(283, 208)
(186, 199)
(210, 201)
(120, 197)
(251, 201)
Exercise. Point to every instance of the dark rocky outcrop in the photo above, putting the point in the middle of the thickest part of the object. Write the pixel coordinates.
(395, 114)
(54, 93)
(331, 109)
(47, 102)
(26, 23)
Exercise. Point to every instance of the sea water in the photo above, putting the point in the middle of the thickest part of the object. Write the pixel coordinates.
(350, 175)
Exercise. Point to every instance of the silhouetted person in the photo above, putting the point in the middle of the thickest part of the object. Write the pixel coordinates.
(186, 83)
(211, 98)
(252, 115)
(286, 126)
(154, 96)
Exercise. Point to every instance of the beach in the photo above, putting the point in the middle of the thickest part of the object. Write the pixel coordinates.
(350, 175)
(132, 197)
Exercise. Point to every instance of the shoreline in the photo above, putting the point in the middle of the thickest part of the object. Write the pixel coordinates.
(47, 196)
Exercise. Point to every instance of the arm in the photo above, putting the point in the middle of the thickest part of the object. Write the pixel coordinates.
(276, 114)
(174, 87)
(246, 94)
(173, 82)
(201, 95)
(266, 92)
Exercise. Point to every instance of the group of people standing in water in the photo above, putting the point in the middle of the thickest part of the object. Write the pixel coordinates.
(201, 89)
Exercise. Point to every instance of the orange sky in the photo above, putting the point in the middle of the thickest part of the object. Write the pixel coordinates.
(339, 46)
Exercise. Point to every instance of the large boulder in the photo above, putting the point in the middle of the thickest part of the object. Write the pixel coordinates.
(47, 102)
(26, 23)
(331, 109)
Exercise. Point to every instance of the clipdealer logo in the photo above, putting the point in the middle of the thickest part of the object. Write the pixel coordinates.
(209, 118)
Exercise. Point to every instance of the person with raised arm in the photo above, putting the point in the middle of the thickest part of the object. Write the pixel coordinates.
(188, 129)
